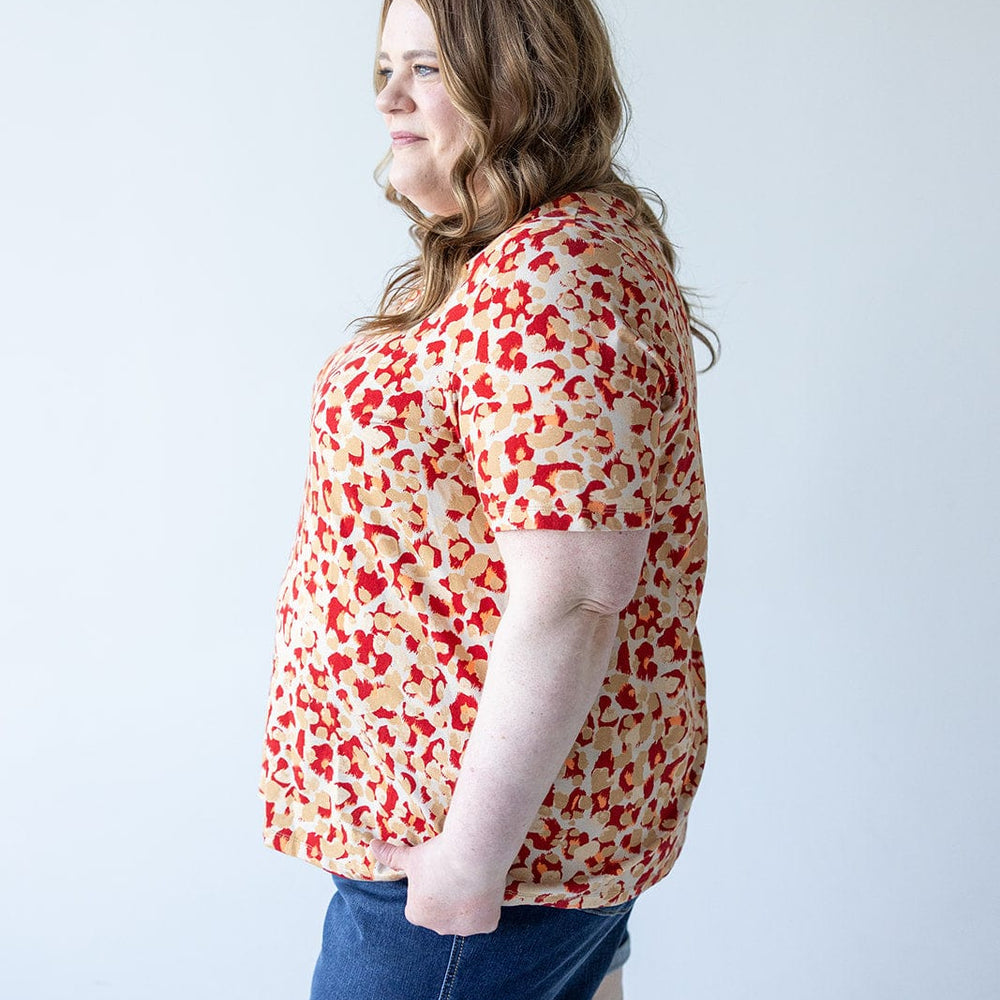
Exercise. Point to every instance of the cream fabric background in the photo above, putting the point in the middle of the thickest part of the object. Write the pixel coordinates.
(188, 222)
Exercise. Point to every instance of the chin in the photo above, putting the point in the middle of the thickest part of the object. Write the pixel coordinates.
(430, 202)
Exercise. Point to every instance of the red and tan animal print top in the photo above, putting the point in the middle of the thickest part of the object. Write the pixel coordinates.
(554, 389)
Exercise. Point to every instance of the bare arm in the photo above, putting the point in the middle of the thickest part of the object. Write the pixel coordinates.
(550, 655)
(549, 659)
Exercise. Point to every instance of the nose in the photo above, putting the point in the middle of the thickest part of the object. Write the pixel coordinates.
(393, 97)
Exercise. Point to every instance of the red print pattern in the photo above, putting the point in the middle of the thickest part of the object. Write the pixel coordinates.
(554, 389)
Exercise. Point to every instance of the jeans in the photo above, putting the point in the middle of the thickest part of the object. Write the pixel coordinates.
(371, 952)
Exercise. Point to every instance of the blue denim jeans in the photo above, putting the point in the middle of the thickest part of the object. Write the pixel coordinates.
(372, 952)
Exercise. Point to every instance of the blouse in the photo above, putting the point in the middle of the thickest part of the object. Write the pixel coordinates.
(555, 388)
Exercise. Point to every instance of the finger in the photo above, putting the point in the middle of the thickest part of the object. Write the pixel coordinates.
(389, 855)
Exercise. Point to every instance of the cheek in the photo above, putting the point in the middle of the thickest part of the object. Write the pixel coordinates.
(451, 127)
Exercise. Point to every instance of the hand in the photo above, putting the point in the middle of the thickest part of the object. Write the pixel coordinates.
(445, 892)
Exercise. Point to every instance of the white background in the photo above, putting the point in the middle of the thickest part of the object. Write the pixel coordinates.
(188, 223)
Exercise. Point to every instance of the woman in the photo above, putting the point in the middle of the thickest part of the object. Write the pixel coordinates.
(487, 714)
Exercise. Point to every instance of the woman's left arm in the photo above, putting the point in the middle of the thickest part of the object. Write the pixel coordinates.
(548, 661)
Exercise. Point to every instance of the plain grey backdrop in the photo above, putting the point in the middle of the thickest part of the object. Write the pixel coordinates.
(187, 225)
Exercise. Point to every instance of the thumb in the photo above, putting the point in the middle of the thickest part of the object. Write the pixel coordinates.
(389, 855)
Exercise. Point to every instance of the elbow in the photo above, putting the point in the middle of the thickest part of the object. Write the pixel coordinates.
(601, 609)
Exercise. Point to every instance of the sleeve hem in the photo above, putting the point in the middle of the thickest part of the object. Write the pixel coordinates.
(575, 517)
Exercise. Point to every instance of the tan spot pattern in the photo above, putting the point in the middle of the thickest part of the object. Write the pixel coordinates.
(554, 389)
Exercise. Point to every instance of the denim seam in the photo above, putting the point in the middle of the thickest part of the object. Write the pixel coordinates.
(452, 971)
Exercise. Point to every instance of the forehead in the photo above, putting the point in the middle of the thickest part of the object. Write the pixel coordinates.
(407, 27)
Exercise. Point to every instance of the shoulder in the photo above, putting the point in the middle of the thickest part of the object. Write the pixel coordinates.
(581, 256)
(580, 240)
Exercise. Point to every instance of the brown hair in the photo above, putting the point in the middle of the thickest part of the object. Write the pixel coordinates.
(536, 82)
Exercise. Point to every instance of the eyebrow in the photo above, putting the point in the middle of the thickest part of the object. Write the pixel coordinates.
(412, 54)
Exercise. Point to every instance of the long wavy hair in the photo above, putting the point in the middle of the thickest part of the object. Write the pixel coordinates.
(537, 84)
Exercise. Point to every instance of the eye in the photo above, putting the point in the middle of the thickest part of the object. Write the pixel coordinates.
(384, 73)
(424, 70)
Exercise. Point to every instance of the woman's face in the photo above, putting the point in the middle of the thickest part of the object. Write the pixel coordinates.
(428, 133)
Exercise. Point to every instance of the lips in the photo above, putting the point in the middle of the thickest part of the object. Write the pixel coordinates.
(405, 138)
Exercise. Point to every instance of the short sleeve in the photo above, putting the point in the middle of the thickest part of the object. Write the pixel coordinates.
(560, 387)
